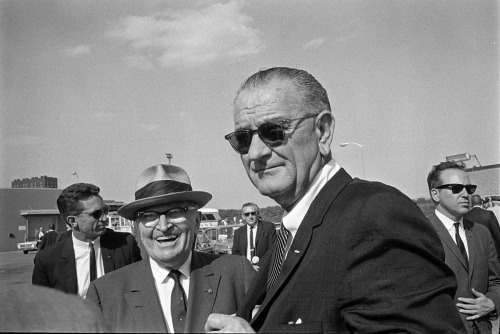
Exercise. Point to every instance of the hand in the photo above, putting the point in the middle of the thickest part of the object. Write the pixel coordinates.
(221, 323)
(477, 307)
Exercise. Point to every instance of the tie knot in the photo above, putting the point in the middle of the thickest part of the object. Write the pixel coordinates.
(175, 274)
(457, 225)
(251, 227)
(91, 244)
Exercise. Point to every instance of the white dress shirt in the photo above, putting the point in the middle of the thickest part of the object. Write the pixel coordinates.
(82, 258)
(293, 219)
(450, 226)
(165, 284)
(249, 253)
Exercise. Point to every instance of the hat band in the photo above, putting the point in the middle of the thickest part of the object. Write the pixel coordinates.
(163, 187)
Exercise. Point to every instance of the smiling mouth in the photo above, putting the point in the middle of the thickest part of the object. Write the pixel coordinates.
(166, 239)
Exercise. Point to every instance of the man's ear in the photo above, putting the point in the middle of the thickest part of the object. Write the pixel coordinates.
(325, 126)
(435, 195)
(71, 221)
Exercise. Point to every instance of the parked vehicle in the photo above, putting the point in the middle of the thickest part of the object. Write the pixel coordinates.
(28, 246)
(209, 217)
(216, 239)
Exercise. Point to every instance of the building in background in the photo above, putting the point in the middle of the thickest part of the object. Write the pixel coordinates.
(487, 179)
(36, 182)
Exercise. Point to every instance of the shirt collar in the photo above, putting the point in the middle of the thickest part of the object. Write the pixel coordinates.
(160, 273)
(294, 217)
(448, 223)
(83, 244)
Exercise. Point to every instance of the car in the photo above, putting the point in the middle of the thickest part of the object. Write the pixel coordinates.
(28, 246)
(223, 246)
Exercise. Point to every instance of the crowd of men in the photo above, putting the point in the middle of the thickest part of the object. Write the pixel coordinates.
(351, 256)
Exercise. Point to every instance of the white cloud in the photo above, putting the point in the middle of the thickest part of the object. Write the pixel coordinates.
(189, 37)
(78, 51)
(139, 61)
(149, 127)
(314, 44)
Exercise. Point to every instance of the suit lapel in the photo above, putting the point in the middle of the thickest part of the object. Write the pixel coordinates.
(107, 253)
(244, 241)
(468, 226)
(446, 239)
(314, 217)
(69, 265)
(203, 287)
(143, 300)
(259, 234)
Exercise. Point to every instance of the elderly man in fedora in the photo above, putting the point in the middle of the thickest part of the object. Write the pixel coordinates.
(176, 287)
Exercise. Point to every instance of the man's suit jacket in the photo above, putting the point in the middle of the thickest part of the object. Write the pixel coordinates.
(486, 218)
(55, 266)
(484, 269)
(130, 303)
(264, 239)
(364, 259)
(48, 239)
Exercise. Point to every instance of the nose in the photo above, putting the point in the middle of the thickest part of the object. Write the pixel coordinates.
(163, 225)
(258, 148)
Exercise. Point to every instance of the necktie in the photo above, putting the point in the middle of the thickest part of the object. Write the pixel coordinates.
(252, 247)
(460, 243)
(178, 303)
(93, 265)
(277, 263)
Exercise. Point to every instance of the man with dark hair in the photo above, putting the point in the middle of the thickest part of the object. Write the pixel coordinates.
(255, 238)
(479, 215)
(469, 248)
(91, 251)
(49, 238)
(351, 255)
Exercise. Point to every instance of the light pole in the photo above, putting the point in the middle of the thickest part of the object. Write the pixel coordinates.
(76, 174)
(169, 157)
(362, 158)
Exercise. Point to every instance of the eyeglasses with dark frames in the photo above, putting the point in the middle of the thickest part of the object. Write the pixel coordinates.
(457, 188)
(97, 214)
(246, 214)
(174, 215)
(271, 133)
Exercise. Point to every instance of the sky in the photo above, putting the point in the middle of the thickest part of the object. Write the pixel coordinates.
(107, 88)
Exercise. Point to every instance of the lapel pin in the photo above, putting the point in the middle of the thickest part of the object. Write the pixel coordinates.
(210, 291)
(297, 251)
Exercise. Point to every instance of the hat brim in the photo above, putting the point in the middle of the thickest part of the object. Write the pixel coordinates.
(199, 197)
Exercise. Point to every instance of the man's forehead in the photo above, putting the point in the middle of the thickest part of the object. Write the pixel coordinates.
(249, 208)
(166, 206)
(453, 175)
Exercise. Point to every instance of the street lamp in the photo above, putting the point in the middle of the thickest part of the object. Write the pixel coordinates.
(169, 157)
(362, 158)
(76, 174)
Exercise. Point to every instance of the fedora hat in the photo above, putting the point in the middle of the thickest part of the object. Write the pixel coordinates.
(162, 184)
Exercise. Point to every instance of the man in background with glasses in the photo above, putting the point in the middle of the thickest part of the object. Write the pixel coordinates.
(91, 251)
(352, 255)
(469, 248)
(255, 238)
(175, 288)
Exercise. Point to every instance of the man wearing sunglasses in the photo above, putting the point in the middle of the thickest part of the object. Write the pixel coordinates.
(90, 251)
(469, 248)
(255, 238)
(351, 255)
(175, 288)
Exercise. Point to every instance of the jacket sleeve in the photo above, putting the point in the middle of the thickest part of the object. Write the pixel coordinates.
(39, 276)
(236, 243)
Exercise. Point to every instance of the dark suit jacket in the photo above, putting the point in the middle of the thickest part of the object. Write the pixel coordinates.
(55, 266)
(484, 269)
(486, 218)
(364, 259)
(130, 303)
(264, 240)
(48, 239)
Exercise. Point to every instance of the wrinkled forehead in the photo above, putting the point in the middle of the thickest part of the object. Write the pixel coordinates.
(275, 101)
(249, 208)
(167, 206)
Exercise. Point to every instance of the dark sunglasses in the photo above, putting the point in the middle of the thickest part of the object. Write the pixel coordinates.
(272, 134)
(457, 188)
(97, 214)
(246, 214)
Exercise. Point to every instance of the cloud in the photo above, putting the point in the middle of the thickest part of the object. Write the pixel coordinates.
(189, 37)
(314, 44)
(149, 127)
(139, 61)
(77, 51)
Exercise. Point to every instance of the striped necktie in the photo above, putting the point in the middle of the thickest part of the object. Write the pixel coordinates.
(278, 259)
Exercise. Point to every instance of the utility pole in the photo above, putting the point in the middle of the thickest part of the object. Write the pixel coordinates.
(169, 157)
